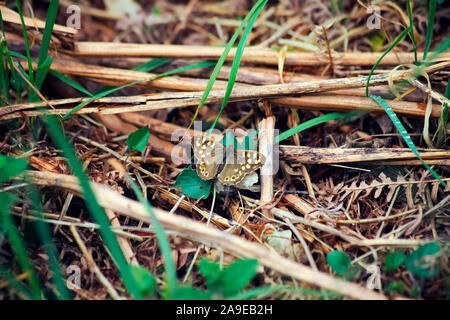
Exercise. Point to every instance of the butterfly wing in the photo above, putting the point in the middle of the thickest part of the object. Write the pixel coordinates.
(241, 164)
(208, 156)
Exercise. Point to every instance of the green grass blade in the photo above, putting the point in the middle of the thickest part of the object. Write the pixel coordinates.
(430, 25)
(107, 92)
(333, 7)
(59, 75)
(411, 26)
(401, 129)
(145, 67)
(444, 119)
(14, 283)
(7, 53)
(237, 59)
(443, 46)
(41, 73)
(442, 133)
(45, 235)
(17, 245)
(151, 65)
(45, 43)
(94, 208)
(70, 82)
(222, 58)
(163, 241)
(314, 122)
(399, 38)
(27, 46)
(4, 75)
(270, 290)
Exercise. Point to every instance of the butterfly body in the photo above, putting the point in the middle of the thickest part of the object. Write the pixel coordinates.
(209, 157)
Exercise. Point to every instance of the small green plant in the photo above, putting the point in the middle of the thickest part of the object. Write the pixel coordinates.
(145, 280)
(229, 281)
(192, 185)
(338, 261)
(394, 260)
(422, 261)
(377, 40)
(11, 167)
(341, 264)
(137, 140)
(396, 287)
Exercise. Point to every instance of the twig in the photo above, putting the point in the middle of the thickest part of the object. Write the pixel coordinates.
(196, 230)
(303, 242)
(112, 292)
(124, 243)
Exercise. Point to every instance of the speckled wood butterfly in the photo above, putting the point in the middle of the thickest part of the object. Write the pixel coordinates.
(209, 158)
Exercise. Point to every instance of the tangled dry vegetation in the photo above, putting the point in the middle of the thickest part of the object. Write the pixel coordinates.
(351, 186)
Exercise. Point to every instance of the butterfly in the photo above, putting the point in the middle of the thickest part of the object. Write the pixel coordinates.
(209, 156)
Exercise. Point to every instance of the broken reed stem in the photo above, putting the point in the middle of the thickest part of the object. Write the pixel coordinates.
(266, 135)
(200, 232)
(251, 54)
(244, 93)
(344, 155)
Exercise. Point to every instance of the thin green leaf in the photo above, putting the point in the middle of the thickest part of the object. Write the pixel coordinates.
(314, 122)
(9, 59)
(396, 41)
(50, 19)
(151, 65)
(4, 74)
(164, 244)
(41, 73)
(94, 208)
(430, 26)
(13, 282)
(411, 27)
(145, 67)
(443, 46)
(27, 46)
(401, 129)
(107, 92)
(47, 239)
(266, 291)
(237, 58)
(59, 75)
(224, 55)
(442, 130)
(70, 82)
(333, 7)
(17, 245)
